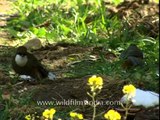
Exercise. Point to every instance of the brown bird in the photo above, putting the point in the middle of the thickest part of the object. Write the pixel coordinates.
(132, 56)
(24, 63)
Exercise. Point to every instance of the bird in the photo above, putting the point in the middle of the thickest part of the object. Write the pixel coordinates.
(132, 57)
(143, 98)
(25, 63)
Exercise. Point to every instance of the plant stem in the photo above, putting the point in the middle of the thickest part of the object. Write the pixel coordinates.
(94, 107)
(126, 114)
(128, 106)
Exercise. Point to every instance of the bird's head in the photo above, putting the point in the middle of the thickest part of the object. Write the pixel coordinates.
(22, 51)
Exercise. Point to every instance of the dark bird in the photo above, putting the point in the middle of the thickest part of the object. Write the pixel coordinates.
(132, 56)
(25, 63)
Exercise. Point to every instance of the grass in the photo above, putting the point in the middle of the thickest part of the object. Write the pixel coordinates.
(102, 67)
(85, 23)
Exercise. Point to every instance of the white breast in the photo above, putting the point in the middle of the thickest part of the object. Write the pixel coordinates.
(21, 61)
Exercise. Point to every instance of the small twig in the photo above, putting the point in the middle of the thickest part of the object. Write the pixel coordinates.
(19, 83)
(59, 95)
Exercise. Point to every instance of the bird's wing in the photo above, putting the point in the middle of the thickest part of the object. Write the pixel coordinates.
(36, 64)
(132, 51)
(33, 60)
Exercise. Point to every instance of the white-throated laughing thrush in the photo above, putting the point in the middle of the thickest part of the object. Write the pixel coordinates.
(24, 63)
(132, 57)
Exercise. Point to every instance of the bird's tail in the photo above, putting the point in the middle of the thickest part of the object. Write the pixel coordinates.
(43, 72)
(46, 74)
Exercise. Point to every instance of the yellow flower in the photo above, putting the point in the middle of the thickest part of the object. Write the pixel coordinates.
(28, 117)
(80, 116)
(76, 115)
(73, 114)
(49, 113)
(112, 115)
(130, 90)
(95, 82)
(46, 113)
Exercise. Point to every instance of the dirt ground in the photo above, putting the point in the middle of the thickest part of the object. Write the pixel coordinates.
(64, 88)
(57, 57)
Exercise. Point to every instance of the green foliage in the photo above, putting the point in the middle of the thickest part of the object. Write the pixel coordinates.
(80, 21)
(116, 2)
(4, 113)
(74, 21)
(84, 22)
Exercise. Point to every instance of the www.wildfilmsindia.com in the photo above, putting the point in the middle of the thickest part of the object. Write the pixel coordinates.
(76, 102)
